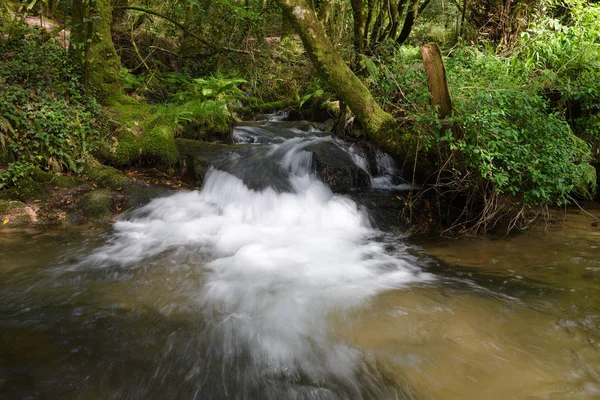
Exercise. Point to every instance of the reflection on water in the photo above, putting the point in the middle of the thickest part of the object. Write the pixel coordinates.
(235, 293)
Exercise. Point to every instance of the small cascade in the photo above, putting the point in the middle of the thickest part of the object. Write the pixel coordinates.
(276, 265)
(320, 152)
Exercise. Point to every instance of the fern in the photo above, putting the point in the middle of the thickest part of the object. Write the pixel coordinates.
(586, 185)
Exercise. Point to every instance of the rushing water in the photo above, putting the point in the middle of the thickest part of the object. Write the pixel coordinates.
(293, 292)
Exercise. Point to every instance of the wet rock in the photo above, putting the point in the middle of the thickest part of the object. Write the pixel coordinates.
(97, 205)
(112, 178)
(326, 126)
(196, 157)
(369, 153)
(249, 163)
(337, 169)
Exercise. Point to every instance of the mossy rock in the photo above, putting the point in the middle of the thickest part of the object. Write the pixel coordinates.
(127, 150)
(67, 181)
(13, 214)
(108, 177)
(97, 205)
(27, 189)
(141, 196)
(41, 176)
(158, 145)
(210, 131)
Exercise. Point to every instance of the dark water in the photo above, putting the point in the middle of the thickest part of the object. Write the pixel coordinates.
(296, 293)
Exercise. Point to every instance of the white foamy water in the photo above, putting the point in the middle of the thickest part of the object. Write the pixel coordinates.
(275, 265)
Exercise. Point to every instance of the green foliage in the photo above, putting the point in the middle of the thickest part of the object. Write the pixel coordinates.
(508, 136)
(314, 92)
(131, 82)
(201, 106)
(565, 59)
(46, 119)
(215, 88)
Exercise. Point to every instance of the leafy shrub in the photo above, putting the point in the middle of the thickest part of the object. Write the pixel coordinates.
(510, 140)
(565, 59)
(46, 119)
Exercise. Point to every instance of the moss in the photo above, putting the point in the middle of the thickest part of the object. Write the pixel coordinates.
(127, 150)
(97, 205)
(41, 176)
(128, 111)
(14, 213)
(143, 136)
(27, 189)
(67, 181)
(210, 131)
(7, 206)
(104, 62)
(159, 145)
(108, 177)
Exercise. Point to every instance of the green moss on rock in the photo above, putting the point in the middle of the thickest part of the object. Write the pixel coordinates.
(127, 150)
(108, 177)
(41, 176)
(67, 181)
(159, 145)
(27, 189)
(97, 205)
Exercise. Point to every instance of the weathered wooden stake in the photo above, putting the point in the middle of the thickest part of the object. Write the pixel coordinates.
(436, 79)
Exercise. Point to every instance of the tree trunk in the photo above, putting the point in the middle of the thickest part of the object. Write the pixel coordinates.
(409, 21)
(360, 24)
(103, 62)
(380, 127)
(287, 30)
(78, 36)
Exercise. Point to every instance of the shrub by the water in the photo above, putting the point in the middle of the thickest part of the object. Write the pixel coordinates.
(46, 119)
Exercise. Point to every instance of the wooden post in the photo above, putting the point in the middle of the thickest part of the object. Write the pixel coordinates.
(436, 79)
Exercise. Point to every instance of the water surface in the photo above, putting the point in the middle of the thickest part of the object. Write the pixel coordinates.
(295, 292)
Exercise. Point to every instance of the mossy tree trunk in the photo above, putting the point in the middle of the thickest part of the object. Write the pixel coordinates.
(92, 48)
(103, 62)
(381, 128)
(360, 24)
(287, 30)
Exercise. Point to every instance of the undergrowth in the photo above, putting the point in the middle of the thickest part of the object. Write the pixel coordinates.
(525, 123)
(47, 121)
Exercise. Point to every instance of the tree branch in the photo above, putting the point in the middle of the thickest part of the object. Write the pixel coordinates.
(184, 29)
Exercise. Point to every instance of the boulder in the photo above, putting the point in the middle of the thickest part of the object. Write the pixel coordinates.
(337, 169)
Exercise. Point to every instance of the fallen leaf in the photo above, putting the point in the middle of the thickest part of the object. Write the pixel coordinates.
(36, 201)
(5, 222)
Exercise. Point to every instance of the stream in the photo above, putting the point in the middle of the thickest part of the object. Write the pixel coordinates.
(264, 284)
